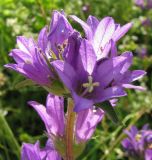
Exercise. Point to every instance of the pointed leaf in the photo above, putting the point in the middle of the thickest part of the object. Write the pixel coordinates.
(109, 110)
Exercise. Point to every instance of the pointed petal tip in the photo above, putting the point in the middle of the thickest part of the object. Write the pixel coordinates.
(79, 108)
(32, 103)
(9, 65)
(129, 25)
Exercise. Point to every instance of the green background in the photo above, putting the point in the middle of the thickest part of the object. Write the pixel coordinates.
(19, 123)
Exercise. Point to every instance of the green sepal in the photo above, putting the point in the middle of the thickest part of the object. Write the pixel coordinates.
(24, 83)
(109, 110)
(78, 149)
(60, 146)
(57, 88)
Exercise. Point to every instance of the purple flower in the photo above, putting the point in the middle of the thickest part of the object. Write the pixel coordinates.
(34, 152)
(100, 33)
(138, 143)
(140, 3)
(52, 115)
(86, 8)
(86, 123)
(60, 30)
(142, 52)
(144, 4)
(147, 22)
(33, 58)
(91, 81)
(148, 154)
(54, 120)
(149, 4)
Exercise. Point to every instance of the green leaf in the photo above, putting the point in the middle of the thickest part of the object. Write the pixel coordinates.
(7, 136)
(106, 106)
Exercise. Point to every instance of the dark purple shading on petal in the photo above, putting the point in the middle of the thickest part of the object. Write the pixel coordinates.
(53, 115)
(86, 123)
(148, 154)
(60, 30)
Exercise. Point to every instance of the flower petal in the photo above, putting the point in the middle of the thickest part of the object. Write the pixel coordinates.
(120, 32)
(26, 45)
(88, 56)
(84, 25)
(51, 115)
(41, 110)
(81, 103)
(112, 68)
(131, 86)
(55, 109)
(20, 56)
(43, 39)
(86, 123)
(137, 74)
(109, 93)
(71, 52)
(60, 30)
(30, 151)
(148, 154)
(103, 35)
(93, 23)
(66, 73)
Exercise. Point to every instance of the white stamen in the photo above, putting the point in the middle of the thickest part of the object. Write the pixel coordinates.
(90, 85)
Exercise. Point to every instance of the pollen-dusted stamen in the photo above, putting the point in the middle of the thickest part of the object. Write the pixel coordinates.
(90, 85)
(61, 47)
(47, 60)
(28, 61)
(150, 146)
(138, 137)
(53, 55)
(101, 48)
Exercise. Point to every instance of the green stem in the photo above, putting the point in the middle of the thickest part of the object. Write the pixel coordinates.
(40, 5)
(69, 130)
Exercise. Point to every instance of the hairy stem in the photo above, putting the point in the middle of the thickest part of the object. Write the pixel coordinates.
(69, 130)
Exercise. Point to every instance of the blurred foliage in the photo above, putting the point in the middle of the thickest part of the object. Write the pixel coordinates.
(20, 123)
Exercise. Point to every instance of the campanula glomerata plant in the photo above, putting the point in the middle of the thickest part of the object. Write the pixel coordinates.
(85, 76)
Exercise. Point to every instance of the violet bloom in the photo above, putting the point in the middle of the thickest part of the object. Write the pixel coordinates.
(100, 33)
(144, 4)
(149, 4)
(142, 52)
(34, 152)
(138, 143)
(92, 82)
(54, 120)
(140, 3)
(147, 22)
(33, 58)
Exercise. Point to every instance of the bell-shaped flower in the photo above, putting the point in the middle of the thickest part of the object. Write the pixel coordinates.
(91, 81)
(52, 115)
(86, 123)
(54, 120)
(140, 3)
(34, 152)
(33, 58)
(138, 143)
(60, 30)
(100, 33)
(148, 154)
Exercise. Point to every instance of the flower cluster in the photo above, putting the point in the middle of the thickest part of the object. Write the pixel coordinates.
(138, 144)
(144, 4)
(88, 71)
